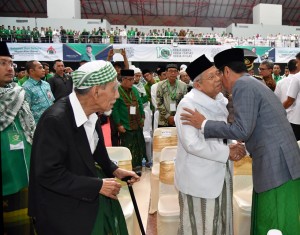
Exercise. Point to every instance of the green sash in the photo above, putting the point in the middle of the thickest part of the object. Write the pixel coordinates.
(15, 163)
(278, 208)
(110, 219)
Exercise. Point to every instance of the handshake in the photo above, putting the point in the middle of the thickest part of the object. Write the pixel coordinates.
(237, 151)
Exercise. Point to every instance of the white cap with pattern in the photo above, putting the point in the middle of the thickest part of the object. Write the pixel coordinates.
(98, 72)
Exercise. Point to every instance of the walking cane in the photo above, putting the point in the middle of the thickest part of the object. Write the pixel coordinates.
(136, 209)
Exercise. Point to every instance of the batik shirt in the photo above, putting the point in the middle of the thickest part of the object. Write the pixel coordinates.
(167, 99)
(39, 96)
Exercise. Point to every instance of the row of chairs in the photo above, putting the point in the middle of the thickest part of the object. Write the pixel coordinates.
(164, 195)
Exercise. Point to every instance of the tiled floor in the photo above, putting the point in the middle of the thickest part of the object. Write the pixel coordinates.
(142, 194)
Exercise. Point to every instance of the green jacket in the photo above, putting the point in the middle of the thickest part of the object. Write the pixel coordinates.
(121, 110)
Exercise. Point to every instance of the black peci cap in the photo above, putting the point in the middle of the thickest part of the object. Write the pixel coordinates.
(127, 72)
(198, 66)
(227, 56)
(4, 50)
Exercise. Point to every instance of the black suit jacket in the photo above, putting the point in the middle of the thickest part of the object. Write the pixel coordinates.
(64, 187)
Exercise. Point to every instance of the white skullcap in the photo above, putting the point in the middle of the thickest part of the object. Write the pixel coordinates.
(183, 67)
(137, 70)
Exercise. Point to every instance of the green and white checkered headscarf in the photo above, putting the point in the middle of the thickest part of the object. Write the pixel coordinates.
(94, 73)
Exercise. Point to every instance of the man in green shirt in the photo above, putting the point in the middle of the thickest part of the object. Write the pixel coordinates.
(88, 55)
(47, 72)
(8, 33)
(276, 73)
(16, 129)
(169, 35)
(35, 34)
(28, 35)
(2, 33)
(23, 33)
(131, 35)
(20, 73)
(19, 36)
(23, 80)
(128, 115)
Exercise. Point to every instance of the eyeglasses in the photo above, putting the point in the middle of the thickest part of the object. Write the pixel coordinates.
(262, 69)
(211, 77)
(4, 63)
(130, 79)
(173, 71)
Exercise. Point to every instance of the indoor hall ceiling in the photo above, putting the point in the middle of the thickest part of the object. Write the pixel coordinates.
(196, 13)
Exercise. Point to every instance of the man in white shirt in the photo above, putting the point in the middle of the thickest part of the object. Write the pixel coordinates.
(202, 169)
(283, 85)
(292, 102)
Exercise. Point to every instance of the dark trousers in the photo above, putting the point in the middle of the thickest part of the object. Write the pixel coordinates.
(296, 130)
(114, 133)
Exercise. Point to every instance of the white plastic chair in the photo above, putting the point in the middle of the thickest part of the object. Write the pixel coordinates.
(242, 196)
(147, 130)
(121, 156)
(168, 205)
(155, 121)
(162, 137)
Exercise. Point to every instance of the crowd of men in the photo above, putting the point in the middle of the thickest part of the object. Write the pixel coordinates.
(134, 35)
(162, 88)
(138, 91)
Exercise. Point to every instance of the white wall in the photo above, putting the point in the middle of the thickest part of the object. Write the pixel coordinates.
(249, 30)
(18, 22)
(240, 30)
(76, 24)
(267, 14)
(66, 9)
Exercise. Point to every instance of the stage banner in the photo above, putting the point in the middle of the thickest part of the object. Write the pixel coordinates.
(166, 53)
(285, 54)
(78, 51)
(263, 53)
(36, 51)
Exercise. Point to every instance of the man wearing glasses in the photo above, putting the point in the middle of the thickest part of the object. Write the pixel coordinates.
(128, 114)
(168, 95)
(265, 70)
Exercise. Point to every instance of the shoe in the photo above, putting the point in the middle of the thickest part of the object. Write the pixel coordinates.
(149, 164)
(137, 168)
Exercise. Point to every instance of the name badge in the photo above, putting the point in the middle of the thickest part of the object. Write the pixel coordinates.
(15, 140)
(132, 110)
(173, 107)
(49, 94)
